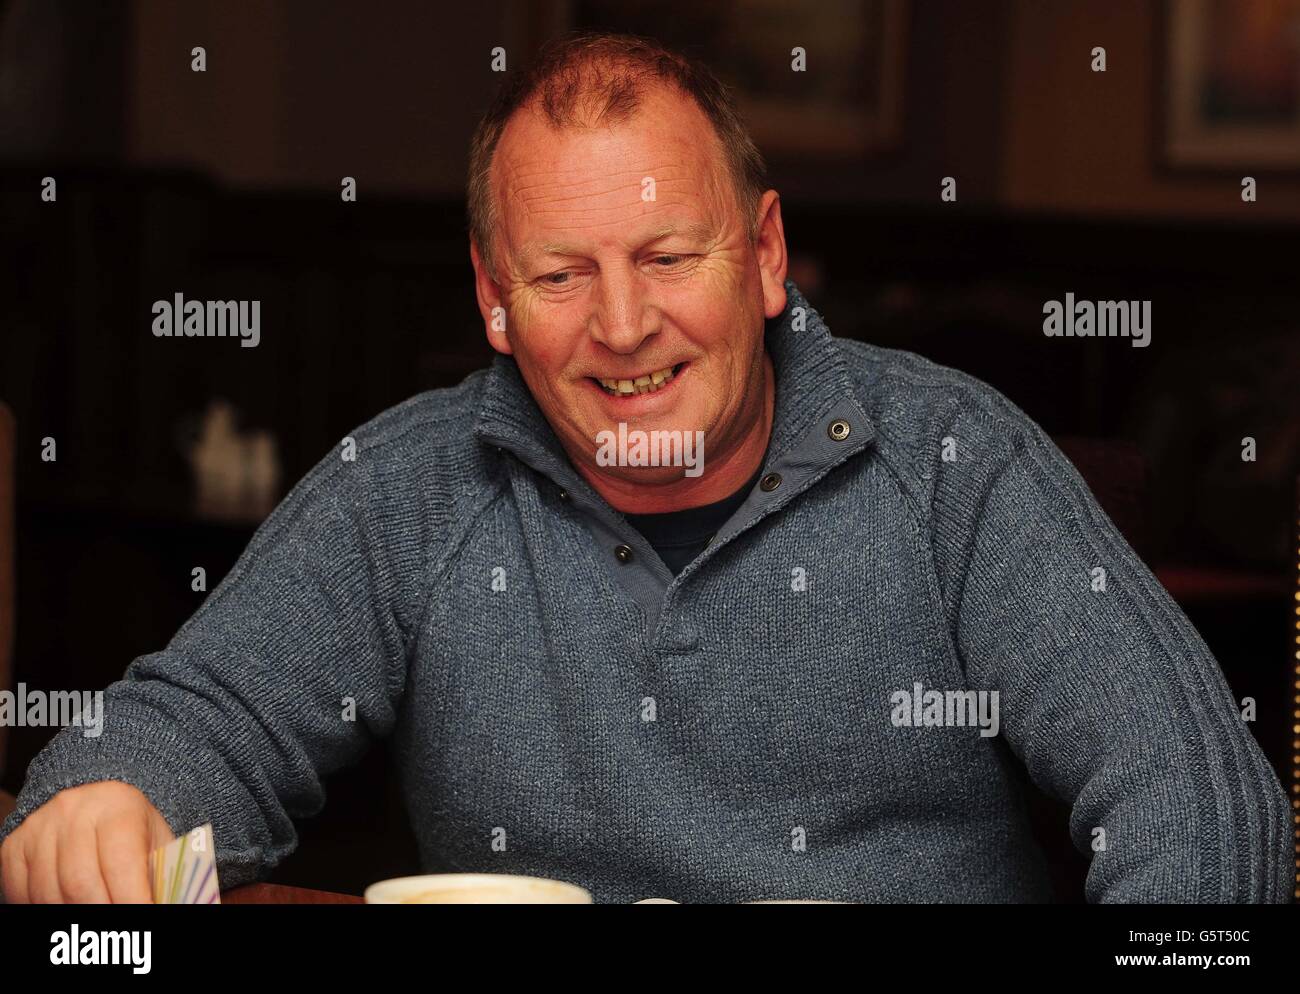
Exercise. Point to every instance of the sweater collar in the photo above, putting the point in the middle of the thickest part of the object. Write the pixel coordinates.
(812, 379)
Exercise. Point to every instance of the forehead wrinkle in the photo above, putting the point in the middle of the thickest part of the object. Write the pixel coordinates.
(560, 202)
(597, 208)
(533, 183)
(593, 213)
(702, 230)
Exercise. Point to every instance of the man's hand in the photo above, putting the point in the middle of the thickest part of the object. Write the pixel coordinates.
(86, 845)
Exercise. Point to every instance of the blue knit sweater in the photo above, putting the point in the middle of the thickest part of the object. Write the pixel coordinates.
(752, 728)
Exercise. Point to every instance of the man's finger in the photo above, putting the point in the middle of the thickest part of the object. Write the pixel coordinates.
(124, 859)
(13, 872)
(43, 869)
(80, 880)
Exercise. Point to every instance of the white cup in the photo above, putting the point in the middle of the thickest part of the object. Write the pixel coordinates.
(474, 888)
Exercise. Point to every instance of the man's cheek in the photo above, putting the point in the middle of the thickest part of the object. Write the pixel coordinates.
(545, 351)
(713, 301)
(523, 311)
(724, 275)
(553, 365)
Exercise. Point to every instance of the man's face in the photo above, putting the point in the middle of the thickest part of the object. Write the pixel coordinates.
(632, 293)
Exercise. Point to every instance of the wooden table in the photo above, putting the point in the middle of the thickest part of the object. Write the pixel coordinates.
(280, 894)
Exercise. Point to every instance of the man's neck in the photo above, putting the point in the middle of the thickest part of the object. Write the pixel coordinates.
(723, 474)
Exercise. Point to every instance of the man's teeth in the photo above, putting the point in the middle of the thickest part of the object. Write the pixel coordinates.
(642, 384)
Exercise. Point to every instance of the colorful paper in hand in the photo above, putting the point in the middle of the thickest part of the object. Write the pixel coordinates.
(185, 870)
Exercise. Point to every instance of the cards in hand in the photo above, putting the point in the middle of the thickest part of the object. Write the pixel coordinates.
(185, 870)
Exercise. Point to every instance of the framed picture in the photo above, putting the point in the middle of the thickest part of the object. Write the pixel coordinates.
(1231, 84)
(845, 103)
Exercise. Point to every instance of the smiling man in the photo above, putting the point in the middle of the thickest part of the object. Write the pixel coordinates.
(634, 274)
(819, 668)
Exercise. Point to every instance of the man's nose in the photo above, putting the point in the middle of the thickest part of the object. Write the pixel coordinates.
(624, 317)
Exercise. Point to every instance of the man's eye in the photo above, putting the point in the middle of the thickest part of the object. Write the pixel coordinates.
(672, 260)
(556, 279)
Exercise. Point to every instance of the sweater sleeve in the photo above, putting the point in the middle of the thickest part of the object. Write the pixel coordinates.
(291, 666)
(1108, 694)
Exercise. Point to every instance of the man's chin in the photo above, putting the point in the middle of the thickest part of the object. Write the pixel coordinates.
(632, 427)
(657, 449)
(639, 476)
(680, 415)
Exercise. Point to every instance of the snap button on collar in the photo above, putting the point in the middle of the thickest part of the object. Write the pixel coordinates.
(769, 482)
(623, 553)
(839, 429)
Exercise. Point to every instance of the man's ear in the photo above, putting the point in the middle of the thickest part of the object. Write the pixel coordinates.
(490, 302)
(769, 246)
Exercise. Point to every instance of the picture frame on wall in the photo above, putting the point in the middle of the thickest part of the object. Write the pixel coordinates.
(847, 103)
(1230, 93)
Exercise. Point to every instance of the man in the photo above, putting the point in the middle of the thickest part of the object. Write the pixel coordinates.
(804, 659)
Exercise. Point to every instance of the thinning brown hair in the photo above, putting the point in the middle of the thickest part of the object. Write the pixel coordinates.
(596, 77)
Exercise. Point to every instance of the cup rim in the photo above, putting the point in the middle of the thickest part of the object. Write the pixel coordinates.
(393, 890)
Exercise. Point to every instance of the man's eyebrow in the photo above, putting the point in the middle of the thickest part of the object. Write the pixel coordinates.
(694, 229)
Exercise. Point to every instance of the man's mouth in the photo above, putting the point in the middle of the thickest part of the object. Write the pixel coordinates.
(646, 383)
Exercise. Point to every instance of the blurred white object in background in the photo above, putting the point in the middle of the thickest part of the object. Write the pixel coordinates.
(261, 473)
(236, 476)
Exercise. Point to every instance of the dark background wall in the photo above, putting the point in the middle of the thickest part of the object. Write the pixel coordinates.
(225, 185)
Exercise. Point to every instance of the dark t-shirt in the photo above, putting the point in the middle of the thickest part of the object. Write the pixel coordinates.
(680, 536)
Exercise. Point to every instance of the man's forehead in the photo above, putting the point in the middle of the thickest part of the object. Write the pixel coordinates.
(564, 193)
(561, 182)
